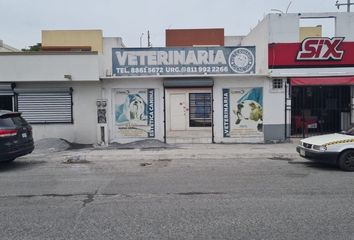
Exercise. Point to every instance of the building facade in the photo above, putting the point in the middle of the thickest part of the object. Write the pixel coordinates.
(195, 90)
(202, 87)
(318, 67)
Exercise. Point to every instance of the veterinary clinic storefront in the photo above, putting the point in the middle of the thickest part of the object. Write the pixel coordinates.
(186, 95)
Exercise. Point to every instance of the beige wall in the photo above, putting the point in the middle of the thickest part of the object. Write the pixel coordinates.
(306, 32)
(64, 38)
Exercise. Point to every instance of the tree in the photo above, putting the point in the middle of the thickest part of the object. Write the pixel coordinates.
(34, 48)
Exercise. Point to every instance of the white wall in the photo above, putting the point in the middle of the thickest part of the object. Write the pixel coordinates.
(106, 58)
(345, 26)
(109, 85)
(83, 130)
(312, 72)
(274, 104)
(259, 37)
(20, 67)
(47, 70)
(230, 41)
(231, 82)
(6, 48)
(284, 28)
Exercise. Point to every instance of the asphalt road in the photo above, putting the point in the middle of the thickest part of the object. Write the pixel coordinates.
(41, 198)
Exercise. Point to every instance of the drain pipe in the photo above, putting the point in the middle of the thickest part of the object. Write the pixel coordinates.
(212, 115)
(164, 115)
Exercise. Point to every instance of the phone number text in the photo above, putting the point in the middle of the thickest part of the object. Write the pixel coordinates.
(171, 70)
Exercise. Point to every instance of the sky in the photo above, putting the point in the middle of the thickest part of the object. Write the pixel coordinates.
(21, 21)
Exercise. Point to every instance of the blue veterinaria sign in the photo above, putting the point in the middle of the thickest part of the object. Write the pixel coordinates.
(183, 61)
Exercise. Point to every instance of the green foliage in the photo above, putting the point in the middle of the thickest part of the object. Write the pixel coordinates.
(34, 48)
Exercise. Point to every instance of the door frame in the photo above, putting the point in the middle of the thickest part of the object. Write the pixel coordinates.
(302, 120)
(187, 90)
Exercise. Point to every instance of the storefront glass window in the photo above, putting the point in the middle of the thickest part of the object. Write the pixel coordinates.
(200, 110)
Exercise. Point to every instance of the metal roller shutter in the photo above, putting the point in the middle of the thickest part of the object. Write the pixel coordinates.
(187, 82)
(46, 106)
(6, 89)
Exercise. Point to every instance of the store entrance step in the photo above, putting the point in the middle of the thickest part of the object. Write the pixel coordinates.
(173, 140)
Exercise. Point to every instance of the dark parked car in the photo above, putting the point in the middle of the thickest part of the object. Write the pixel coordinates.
(15, 136)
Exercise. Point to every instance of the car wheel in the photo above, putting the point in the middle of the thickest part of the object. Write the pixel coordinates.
(346, 161)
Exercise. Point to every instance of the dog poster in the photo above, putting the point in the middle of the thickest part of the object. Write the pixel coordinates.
(134, 112)
(243, 112)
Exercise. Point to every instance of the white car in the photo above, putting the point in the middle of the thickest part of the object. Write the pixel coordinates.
(337, 148)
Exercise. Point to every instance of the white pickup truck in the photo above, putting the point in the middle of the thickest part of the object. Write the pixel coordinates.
(337, 148)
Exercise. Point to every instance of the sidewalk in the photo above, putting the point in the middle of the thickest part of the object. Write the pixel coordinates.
(197, 151)
(148, 150)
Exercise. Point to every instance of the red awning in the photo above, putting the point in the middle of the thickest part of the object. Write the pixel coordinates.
(318, 81)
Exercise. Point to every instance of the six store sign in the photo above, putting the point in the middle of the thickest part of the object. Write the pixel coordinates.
(183, 61)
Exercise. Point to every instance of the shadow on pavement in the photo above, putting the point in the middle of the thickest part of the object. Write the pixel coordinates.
(320, 166)
(19, 165)
(144, 145)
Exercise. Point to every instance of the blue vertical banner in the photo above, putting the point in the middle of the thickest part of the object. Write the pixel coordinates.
(151, 112)
(226, 111)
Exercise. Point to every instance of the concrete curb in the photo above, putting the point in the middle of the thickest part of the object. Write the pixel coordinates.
(145, 155)
(192, 156)
(202, 151)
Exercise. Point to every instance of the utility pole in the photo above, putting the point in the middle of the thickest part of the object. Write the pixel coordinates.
(348, 4)
(141, 37)
(149, 43)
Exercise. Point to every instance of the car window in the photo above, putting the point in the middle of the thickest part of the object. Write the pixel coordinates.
(349, 131)
(13, 121)
(19, 121)
(6, 122)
